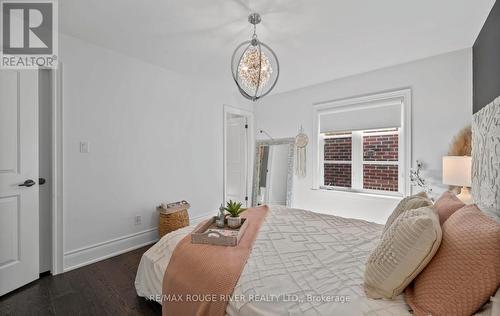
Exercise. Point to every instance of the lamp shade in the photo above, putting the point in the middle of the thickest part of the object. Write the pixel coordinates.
(457, 170)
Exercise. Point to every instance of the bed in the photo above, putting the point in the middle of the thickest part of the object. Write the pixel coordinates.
(307, 263)
(302, 263)
(298, 255)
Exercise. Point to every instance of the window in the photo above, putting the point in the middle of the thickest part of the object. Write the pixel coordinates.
(377, 152)
(381, 160)
(337, 162)
(363, 144)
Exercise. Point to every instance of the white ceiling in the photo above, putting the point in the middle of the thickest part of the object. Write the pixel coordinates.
(315, 40)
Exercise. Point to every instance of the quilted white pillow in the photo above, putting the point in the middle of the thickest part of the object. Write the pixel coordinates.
(405, 248)
(408, 203)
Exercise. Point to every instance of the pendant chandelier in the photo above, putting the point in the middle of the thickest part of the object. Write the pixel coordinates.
(254, 65)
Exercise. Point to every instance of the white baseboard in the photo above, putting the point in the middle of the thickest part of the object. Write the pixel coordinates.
(86, 255)
(80, 257)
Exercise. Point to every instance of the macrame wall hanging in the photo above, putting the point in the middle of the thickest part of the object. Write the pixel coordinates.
(301, 141)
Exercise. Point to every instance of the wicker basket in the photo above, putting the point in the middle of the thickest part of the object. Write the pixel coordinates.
(169, 222)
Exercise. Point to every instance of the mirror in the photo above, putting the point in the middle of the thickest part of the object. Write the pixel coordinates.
(273, 172)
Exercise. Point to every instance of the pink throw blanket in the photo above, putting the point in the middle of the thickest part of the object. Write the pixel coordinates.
(200, 278)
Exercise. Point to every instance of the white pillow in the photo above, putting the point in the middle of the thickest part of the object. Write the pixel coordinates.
(405, 248)
(408, 203)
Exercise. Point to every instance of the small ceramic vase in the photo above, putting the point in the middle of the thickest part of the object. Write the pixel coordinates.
(234, 222)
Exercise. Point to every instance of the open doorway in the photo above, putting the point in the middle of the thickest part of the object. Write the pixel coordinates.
(45, 100)
(238, 145)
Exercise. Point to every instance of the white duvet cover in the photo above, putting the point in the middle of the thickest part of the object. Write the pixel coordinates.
(302, 263)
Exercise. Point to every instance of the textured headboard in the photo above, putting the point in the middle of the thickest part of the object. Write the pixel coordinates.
(486, 158)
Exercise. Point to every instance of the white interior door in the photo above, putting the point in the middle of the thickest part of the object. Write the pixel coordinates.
(18, 163)
(237, 159)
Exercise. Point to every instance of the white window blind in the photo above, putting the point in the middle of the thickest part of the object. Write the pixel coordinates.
(355, 118)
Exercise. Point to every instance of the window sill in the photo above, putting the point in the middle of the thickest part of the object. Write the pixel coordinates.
(365, 193)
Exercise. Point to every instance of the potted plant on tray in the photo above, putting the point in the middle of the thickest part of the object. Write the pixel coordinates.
(234, 209)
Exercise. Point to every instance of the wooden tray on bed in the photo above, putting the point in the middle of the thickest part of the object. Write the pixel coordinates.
(209, 233)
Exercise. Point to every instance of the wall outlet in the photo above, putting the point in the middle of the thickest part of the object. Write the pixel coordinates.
(138, 220)
(84, 147)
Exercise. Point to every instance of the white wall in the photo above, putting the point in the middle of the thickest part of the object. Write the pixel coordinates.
(442, 105)
(155, 135)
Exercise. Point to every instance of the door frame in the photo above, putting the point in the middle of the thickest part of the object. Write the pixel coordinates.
(228, 109)
(57, 171)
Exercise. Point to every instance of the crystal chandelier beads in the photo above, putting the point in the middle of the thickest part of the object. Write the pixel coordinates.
(248, 69)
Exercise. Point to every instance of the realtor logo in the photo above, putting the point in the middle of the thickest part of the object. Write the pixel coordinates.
(29, 34)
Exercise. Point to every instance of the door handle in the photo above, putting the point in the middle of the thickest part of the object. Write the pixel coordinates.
(28, 183)
(41, 181)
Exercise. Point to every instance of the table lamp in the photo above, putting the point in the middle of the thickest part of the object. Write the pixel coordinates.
(457, 171)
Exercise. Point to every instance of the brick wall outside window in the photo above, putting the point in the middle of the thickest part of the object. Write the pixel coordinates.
(338, 175)
(380, 148)
(375, 148)
(380, 177)
(339, 149)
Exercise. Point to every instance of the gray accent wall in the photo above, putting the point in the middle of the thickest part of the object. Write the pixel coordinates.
(486, 61)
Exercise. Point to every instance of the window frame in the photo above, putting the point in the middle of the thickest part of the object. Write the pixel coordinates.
(403, 99)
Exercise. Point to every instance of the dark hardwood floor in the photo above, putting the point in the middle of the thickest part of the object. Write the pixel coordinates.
(102, 288)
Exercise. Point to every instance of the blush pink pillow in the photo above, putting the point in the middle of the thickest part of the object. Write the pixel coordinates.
(465, 271)
(447, 204)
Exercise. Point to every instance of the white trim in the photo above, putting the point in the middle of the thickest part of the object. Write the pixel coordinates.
(406, 133)
(346, 135)
(368, 133)
(367, 192)
(381, 162)
(111, 241)
(357, 160)
(227, 109)
(320, 174)
(93, 253)
(57, 171)
(86, 255)
(82, 264)
(363, 101)
(402, 96)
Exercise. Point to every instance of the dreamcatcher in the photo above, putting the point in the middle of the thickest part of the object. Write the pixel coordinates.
(301, 141)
